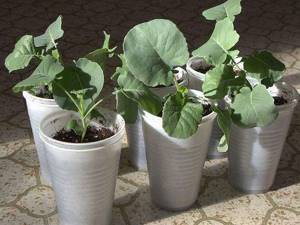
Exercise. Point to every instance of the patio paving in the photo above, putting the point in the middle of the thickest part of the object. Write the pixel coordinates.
(264, 24)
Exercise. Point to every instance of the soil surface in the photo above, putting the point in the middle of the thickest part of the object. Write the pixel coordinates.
(92, 134)
(206, 110)
(203, 69)
(279, 100)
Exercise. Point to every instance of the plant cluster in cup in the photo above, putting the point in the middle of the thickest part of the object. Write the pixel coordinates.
(151, 53)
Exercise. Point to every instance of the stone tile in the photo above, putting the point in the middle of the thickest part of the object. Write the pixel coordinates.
(221, 201)
(296, 163)
(39, 201)
(283, 217)
(12, 107)
(12, 216)
(12, 139)
(14, 180)
(294, 140)
(209, 222)
(215, 167)
(21, 120)
(124, 193)
(53, 220)
(139, 178)
(287, 156)
(287, 197)
(27, 156)
(142, 211)
(117, 218)
(286, 58)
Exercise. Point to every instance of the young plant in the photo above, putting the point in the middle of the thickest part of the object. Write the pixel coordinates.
(77, 88)
(43, 50)
(244, 81)
(151, 52)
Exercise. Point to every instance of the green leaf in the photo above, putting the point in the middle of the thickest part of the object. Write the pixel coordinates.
(253, 108)
(229, 9)
(84, 79)
(75, 126)
(126, 107)
(222, 40)
(52, 33)
(137, 91)
(101, 55)
(224, 122)
(181, 116)
(22, 54)
(44, 74)
(264, 67)
(152, 49)
(216, 83)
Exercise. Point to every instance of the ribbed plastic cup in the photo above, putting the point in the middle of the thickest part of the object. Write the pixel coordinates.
(135, 137)
(38, 108)
(254, 153)
(83, 175)
(175, 165)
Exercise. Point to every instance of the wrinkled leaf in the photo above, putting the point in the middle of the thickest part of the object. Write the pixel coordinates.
(229, 9)
(52, 33)
(217, 80)
(253, 108)
(22, 54)
(181, 116)
(101, 55)
(152, 49)
(44, 74)
(264, 67)
(137, 91)
(126, 107)
(224, 122)
(222, 40)
(84, 79)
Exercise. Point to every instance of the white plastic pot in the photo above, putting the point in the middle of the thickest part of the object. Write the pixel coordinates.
(83, 174)
(175, 165)
(38, 108)
(254, 153)
(196, 80)
(135, 137)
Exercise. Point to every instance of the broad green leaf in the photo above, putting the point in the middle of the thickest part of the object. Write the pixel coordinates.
(181, 117)
(152, 49)
(101, 55)
(224, 122)
(44, 74)
(253, 108)
(120, 69)
(217, 80)
(126, 107)
(52, 33)
(22, 54)
(137, 91)
(222, 40)
(84, 79)
(264, 67)
(229, 9)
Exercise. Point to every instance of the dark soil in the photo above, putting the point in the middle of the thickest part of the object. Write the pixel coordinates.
(204, 69)
(206, 110)
(43, 92)
(279, 100)
(92, 134)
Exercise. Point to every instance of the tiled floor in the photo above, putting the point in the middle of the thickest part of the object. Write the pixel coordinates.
(264, 24)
